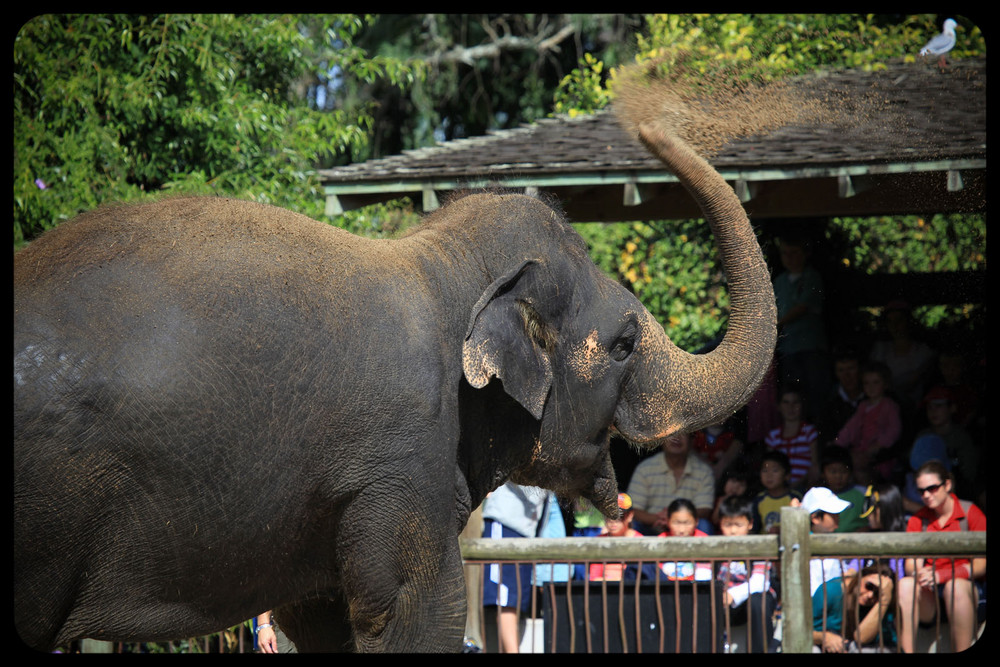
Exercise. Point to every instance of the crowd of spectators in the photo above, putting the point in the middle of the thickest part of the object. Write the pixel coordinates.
(886, 438)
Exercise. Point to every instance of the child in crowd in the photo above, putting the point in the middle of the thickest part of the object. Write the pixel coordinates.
(826, 574)
(734, 484)
(774, 474)
(682, 522)
(883, 510)
(620, 527)
(796, 438)
(875, 426)
(747, 589)
(836, 469)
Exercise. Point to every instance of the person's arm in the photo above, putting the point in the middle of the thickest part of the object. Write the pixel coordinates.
(793, 313)
(892, 427)
(868, 628)
(267, 640)
(829, 642)
(849, 431)
(655, 521)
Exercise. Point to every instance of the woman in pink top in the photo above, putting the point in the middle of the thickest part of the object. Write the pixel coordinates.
(875, 425)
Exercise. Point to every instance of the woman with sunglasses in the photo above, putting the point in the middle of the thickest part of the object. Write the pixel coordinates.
(951, 579)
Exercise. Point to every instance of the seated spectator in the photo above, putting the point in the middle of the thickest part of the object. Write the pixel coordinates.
(873, 429)
(776, 494)
(796, 438)
(963, 455)
(910, 361)
(928, 447)
(964, 397)
(734, 484)
(835, 466)
(870, 609)
(826, 574)
(748, 590)
(717, 446)
(620, 527)
(667, 475)
(883, 509)
(843, 400)
(681, 522)
(956, 582)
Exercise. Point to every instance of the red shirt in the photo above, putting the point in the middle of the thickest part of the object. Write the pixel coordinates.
(976, 521)
(610, 571)
(711, 451)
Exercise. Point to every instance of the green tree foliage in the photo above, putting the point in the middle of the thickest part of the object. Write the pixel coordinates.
(120, 107)
(672, 267)
(705, 50)
(124, 107)
(909, 244)
(483, 72)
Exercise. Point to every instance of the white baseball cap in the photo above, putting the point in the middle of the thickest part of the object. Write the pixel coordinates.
(822, 499)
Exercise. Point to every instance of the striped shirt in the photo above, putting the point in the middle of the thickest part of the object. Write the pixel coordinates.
(797, 448)
(653, 485)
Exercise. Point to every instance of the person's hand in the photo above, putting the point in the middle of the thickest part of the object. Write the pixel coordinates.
(884, 586)
(832, 643)
(267, 641)
(925, 577)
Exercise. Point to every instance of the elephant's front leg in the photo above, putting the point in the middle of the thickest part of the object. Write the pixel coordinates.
(410, 599)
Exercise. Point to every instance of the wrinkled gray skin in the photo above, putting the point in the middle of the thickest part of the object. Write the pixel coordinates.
(222, 407)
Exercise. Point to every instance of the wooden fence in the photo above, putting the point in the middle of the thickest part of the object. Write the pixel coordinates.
(792, 549)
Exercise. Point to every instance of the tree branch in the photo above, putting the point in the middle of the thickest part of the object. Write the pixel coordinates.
(468, 54)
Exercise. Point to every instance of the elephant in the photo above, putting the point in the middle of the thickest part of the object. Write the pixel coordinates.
(223, 407)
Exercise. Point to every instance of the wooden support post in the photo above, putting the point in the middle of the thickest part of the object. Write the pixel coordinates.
(796, 605)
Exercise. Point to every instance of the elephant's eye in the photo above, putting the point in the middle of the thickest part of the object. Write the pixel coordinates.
(622, 348)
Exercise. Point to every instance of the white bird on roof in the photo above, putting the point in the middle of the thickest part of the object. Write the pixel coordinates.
(943, 43)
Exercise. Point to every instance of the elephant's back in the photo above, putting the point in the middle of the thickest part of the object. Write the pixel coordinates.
(178, 234)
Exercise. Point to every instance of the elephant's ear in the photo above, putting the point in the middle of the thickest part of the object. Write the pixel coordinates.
(508, 339)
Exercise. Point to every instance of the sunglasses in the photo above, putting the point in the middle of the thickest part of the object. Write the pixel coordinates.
(871, 500)
(929, 489)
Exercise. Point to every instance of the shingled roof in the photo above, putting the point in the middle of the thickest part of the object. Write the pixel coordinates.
(924, 151)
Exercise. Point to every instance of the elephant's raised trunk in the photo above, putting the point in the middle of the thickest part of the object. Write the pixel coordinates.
(685, 391)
